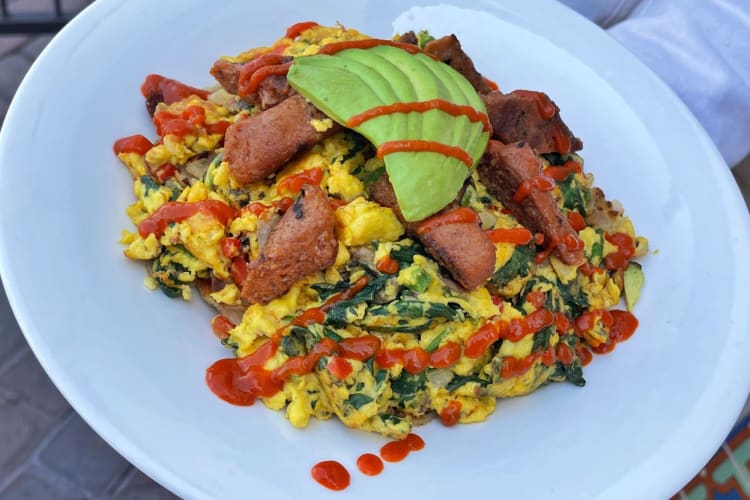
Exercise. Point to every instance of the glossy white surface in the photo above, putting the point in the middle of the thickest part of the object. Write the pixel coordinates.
(132, 362)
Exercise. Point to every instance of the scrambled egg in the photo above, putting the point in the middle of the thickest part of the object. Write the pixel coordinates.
(362, 222)
(412, 310)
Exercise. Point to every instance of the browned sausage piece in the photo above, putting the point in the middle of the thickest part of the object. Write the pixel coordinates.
(502, 169)
(408, 37)
(259, 145)
(227, 74)
(463, 249)
(448, 49)
(271, 91)
(302, 243)
(381, 191)
(517, 117)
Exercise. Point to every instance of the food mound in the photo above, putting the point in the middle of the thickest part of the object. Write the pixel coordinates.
(387, 237)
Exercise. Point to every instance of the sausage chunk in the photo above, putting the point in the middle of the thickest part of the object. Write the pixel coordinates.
(227, 74)
(502, 169)
(381, 191)
(448, 49)
(271, 91)
(259, 145)
(463, 249)
(530, 117)
(302, 243)
(409, 37)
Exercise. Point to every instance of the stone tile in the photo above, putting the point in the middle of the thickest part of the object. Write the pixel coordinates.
(138, 486)
(22, 427)
(11, 338)
(12, 69)
(742, 175)
(35, 46)
(16, 434)
(77, 453)
(33, 483)
(31, 6)
(44, 6)
(4, 103)
(9, 43)
(74, 6)
(27, 380)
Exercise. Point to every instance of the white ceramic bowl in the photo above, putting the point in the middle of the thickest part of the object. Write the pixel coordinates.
(132, 362)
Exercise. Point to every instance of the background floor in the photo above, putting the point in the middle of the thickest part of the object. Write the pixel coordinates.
(48, 452)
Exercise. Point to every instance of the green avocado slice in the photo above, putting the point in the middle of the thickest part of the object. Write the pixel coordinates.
(425, 182)
(355, 80)
(390, 72)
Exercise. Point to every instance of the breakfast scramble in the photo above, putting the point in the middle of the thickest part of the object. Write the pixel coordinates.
(415, 245)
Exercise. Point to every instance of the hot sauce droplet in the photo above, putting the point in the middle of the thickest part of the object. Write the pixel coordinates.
(414, 442)
(545, 106)
(451, 414)
(331, 474)
(294, 30)
(395, 451)
(624, 325)
(370, 464)
(387, 265)
(221, 378)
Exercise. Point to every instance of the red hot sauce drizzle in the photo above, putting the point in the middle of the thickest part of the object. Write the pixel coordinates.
(132, 144)
(331, 474)
(561, 172)
(421, 107)
(562, 140)
(418, 146)
(369, 464)
(258, 69)
(396, 451)
(460, 215)
(514, 235)
(451, 414)
(174, 211)
(367, 43)
(491, 84)
(170, 90)
(264, 72)
(538, 182)
(625, 250)
(543, 103)
(296, 29)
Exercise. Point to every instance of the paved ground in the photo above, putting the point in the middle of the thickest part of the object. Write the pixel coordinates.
(46, 450)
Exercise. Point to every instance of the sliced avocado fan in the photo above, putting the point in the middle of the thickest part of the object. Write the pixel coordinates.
(353, 81)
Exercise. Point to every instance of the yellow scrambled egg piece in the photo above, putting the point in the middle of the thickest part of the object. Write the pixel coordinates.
(229, 295)
(135, 164)
(143, 249)
(602, 291)
(362, 221)
(202, 234)
(264, 320)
